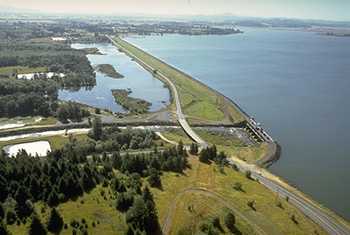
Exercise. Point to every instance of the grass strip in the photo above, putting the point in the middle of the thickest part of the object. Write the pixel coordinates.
(197, 99)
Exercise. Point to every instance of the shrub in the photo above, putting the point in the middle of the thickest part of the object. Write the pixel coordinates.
(234, 166)
(237, 186)
(248, 174)
(292, 217)
(279, 204)
(221, 169)
(216, 222)
(230, 219)
(250, 204)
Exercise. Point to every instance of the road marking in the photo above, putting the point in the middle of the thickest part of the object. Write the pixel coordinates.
(316, 215)
(299, 201)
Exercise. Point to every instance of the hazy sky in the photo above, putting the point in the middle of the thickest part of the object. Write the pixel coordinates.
(305, 9)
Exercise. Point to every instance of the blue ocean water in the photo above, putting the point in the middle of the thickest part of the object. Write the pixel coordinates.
(296, 84)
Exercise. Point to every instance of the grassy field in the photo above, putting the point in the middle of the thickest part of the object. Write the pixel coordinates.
(230, 145)
(177, 138)
(248, 154)
(235, 114)
(102, 218)
(20, 70)
(192, 209)
(98, 211)
(234, 147)
(197, 100)
(265, 204)
(48, 121)
(268, 216)
(220, 138)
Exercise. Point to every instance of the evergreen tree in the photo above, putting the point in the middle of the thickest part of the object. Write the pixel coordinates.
(124, 201)
(204, 155)
(154, 178)
(230, 220)
(180, 149)
(138, 214)
(3, 228)
(54, 222)
(10, 216)
(114, 184)
(52, 199)
(36, 227)
(143, 214)
(34, 188)
(147, 194)
(194, 149)
(3, 183)
(116, 160)
(96, 130)
(2, 213)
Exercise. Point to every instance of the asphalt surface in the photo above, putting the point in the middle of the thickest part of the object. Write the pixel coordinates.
(327, 222)
(179, 112)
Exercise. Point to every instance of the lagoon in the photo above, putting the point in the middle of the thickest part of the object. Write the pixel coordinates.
(296, 84)
(142, 84)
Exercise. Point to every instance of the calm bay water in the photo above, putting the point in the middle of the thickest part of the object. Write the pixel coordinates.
(296, 84)
(142, 84)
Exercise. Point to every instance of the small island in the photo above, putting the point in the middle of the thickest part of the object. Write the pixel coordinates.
(91, 51)
(134, 105)
(109, 71)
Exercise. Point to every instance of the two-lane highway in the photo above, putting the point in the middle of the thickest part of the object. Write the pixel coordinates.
(328, 223)
(331, 225)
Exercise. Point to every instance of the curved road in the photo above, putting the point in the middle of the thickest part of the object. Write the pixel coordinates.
(179, 113)
(331, 225)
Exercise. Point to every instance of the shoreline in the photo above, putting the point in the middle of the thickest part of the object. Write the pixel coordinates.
(275, 153)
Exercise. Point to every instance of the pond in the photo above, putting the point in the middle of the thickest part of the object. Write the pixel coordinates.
(142, 84)
(39, 148)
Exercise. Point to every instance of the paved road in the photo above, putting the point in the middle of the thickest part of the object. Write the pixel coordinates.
(179, 112)
(331, 225)
(327, 222)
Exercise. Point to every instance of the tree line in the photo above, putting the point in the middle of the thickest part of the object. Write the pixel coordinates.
(62, 175)
(115, 138)
(21, 97)
(55, 57)
(24, 97)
